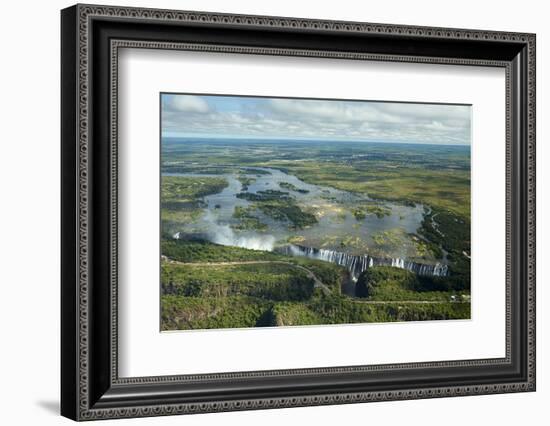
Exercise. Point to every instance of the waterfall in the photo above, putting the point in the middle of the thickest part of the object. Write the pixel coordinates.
(357, 264)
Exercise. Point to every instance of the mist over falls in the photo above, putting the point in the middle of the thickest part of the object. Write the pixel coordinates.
(224, 235)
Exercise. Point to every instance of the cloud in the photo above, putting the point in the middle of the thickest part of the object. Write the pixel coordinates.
(234, 116)
(334, 111)
(188, 103)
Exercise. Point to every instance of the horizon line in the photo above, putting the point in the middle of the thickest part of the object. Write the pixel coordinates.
(282, 138)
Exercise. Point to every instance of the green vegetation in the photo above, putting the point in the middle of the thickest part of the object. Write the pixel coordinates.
(342, 310)
(407, 183)
(199, 251)
(182, 198)
(288, 314)
(288, 211)
(389, 240)
(187, 313)
(255, 172)
(333, 276)
(182, 190)
(292, 187)
(391, 284)
(264, 196)
(276, 291)
(361, 212)
(245, 181)
(202, 251)
(280, 206)
(181, 313)
(273, 281)
(351, 241)
(247, 220)
(452, 232)
(426, 249)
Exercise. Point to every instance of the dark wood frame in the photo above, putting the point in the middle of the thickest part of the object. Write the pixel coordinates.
(91, 37)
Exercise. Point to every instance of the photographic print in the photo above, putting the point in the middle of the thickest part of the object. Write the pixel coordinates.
(299, 212)
(356, 198)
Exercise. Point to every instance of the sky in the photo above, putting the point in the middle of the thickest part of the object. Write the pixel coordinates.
(317, 119)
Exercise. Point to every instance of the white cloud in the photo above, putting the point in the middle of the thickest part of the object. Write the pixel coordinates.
(340, 112)
(188, 103)
(301, 118)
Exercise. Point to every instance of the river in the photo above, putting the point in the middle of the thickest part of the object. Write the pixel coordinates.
(337, 228)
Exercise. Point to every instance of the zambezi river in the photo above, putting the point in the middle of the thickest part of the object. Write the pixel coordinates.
(338, 236)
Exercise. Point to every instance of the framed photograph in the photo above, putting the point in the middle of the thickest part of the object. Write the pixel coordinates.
(263, 212)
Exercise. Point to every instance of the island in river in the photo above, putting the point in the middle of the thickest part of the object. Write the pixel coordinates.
(264, 232)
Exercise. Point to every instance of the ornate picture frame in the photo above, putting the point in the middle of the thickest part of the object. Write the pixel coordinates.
(91, 38)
